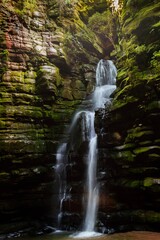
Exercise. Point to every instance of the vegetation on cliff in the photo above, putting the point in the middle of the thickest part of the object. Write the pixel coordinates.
(47, 67)
(131, 128)
(48, 54)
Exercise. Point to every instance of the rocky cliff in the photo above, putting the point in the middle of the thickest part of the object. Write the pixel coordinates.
(129, 135)
(48, 55)
(49, 51)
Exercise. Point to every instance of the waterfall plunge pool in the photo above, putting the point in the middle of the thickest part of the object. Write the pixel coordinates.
(133, 235)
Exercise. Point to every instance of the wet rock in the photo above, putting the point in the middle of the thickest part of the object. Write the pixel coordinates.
(41, 84)
(127, 137)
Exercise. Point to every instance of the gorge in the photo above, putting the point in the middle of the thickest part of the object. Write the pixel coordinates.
(48, 56)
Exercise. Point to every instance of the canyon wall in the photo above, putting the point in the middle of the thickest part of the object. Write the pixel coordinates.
(48, 55)
(40, 86)
(129, 135)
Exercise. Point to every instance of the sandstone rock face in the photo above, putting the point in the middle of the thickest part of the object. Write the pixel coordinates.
(48, 54)
(46, 69)
(129, 146)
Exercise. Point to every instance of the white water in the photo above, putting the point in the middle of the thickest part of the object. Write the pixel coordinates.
(105, 85)
(61, 175)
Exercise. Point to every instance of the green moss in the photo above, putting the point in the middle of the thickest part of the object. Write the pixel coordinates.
(18, 87)
(148, 182)
(57, 116)
(17, 161)
(103, 25)
(78, 85)
(30, 75)
(143, 170)
(157, 25)
(154, 157)
(2, 124)
(79, 45)
(4, 176)
(79, 94)
(48, 81)
(126, 146)
(121, 93)
(148, 149)
(130, 183)
(2, 110)
(123, 156)
(124, 103)
(24, 111)
(149, 142)
(138, 49)
(146, 12)
(67, 94)
(139, 134)
(6, 101)
(20, 98)
(155, 105)
(13, 76)
(4, 57)
(26, 6)
(61, 104)
(6, 98)
(155, 62)
(146, 216)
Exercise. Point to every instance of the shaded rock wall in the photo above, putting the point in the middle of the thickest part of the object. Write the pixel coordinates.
(49, 50)
(129, 135)
(47, 65)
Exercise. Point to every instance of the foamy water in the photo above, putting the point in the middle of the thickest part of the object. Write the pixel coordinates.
(86, 234)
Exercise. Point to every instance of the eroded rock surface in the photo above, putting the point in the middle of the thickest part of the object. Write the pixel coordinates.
(129, 135)
(48, 55)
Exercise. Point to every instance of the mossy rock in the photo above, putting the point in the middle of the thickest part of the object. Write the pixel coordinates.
(2, 124)
(146, 216)
(145, 13)
(67, 94)
(148, 182)
(30, 74)
(78, 85)
(147, 150)
(13, 76)
(130, 183)
(24, 111)
(79, 95)
(4, 176)
(139, 134)
(122, 156)
(153, 106)
(23, 145)
(125, 104)
(48, 83)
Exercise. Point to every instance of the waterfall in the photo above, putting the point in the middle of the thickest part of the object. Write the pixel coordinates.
(105, 85)
(61, 177)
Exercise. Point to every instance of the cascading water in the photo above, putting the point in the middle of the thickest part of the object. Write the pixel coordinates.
(105, 85)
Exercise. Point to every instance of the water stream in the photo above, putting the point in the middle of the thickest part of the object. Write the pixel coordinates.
(118, 236)
(105, 85)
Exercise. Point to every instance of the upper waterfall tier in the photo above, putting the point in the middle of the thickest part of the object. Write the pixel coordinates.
(106, 73)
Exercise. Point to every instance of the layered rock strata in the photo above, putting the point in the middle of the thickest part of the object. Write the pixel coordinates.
(49, 51)
(129, 135)
(47, 65)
